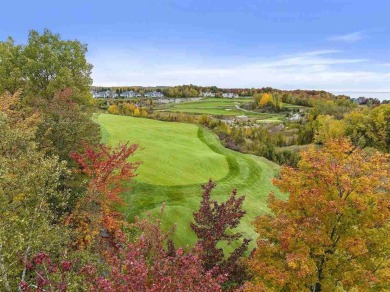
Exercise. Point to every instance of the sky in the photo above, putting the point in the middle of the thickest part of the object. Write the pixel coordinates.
(335, 45)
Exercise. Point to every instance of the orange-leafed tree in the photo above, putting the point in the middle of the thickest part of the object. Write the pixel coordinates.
(109, 173)
(333, 232)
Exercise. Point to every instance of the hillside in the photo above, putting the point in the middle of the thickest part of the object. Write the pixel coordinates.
(177, 158)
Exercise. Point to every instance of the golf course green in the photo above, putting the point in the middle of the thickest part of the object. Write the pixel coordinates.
(229, 107)
(177, 158)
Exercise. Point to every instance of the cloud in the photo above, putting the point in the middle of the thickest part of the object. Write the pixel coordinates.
(308, 70)
(348, 38)
(313, 58)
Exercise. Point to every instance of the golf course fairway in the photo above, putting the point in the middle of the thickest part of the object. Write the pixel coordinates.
(177, 158)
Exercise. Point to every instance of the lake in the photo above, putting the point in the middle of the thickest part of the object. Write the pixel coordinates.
(356, 94)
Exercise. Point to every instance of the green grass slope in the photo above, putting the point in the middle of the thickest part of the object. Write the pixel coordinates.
(169, 153)
(189, 156)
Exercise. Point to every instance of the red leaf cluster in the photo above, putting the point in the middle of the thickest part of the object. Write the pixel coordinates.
(109, 173)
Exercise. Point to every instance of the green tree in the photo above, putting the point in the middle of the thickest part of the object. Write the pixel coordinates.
(53, 64)
(11, 65)
(65, 127)
(328, 128)
(29, 183)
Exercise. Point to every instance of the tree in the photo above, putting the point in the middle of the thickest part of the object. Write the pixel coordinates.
(333, 232)
(381, 123)
(266, 99)
(113, 109)
(370, 127)
(45, 273)
(146, 265)
(66, 126)
(109, 172)
(144, 113)
(11, 63)
(46, 65)
(29, 183)
(54, 64)
(214, 224)
(136, 112)
(328, 128)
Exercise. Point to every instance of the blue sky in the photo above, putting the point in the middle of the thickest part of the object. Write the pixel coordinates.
(316, 44)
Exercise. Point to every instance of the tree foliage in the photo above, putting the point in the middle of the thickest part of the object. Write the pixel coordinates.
(214, 224)
(146, 265)
(109, 173)
(66, 127)
(45, 65)
(11, 71)
(29, 183)
(369, 127)
(328, 128)
(333, 232)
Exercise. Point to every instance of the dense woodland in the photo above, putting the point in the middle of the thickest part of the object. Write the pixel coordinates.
(60, 229)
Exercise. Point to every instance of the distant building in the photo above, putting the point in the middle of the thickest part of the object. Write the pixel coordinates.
(130, 94)
(104, 94)
(295, 117)
(229, 95)
(208, 94)
(154, 94)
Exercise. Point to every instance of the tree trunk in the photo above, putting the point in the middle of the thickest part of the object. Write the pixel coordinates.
(3, 271)
(317, 287)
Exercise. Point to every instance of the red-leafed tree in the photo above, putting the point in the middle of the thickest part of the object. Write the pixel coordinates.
(109, 172)
(146, 265)
(214, 224)
(47, 274)
(149, 263)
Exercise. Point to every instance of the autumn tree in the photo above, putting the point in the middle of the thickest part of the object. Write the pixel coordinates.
(214, 224)
(369, 127)
(44, 273)
(333, 232)
(266, 99)
(66, 126)
(28, 187)
(328, 128)
(136, 112)
(109, 173)
(151, 263)
(113, 109)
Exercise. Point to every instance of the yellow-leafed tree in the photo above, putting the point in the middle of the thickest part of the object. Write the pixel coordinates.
(333, 233)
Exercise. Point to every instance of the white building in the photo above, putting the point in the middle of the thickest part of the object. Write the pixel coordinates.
(229, 95)
(105, 94)
(208, 94)
(130, 94)
(154, 94)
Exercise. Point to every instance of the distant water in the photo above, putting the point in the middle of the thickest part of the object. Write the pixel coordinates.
(356, 94)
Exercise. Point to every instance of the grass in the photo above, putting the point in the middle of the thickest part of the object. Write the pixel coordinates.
(220, 106)
(166, 150)
(177, 159)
